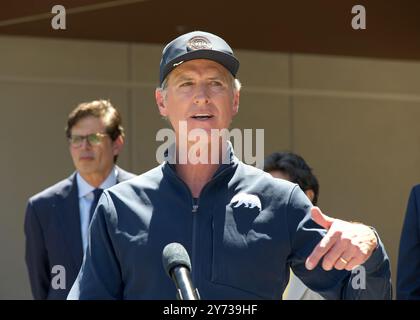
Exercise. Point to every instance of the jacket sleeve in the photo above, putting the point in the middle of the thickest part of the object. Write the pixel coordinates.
(100, 275)
(370, 281)
(408, 275)
(36, 256)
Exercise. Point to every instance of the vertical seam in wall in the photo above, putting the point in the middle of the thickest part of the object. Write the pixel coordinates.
(129, 120)
(291, 106)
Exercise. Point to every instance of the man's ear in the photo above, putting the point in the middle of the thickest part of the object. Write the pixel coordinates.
(160, 102)
(235, 107)
(310, 194)
(117, 145)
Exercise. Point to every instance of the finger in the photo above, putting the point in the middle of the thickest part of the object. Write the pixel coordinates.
(333, 255)
(320, 218)
(344, 259)
(354, 262)
(320, 250)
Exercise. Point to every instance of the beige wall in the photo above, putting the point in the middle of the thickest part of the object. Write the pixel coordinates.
(354, 120)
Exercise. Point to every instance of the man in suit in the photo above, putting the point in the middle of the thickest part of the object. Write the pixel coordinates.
(408, 276)
(57, 219)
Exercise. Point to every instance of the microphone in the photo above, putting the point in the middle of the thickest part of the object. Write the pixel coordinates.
(177, 265)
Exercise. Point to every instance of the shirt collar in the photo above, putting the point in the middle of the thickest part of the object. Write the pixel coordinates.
(229, 159)
(85, 188)
(228, 155)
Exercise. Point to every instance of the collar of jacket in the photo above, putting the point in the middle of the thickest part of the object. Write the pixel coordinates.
(229, 163)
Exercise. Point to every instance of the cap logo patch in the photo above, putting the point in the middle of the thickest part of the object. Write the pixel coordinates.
(199, 43)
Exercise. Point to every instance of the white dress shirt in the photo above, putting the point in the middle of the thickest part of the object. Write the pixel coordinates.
(297, 290)
(86, 197)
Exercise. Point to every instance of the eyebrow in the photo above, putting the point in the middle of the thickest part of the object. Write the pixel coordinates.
(187, 77)
(182, 78)
(221, 78)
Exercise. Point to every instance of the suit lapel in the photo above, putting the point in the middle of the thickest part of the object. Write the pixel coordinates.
(69, 213)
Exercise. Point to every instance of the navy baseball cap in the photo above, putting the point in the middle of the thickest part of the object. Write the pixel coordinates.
(197, 45)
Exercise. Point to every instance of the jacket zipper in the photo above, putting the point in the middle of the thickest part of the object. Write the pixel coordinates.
(194, 207)
(194, 210)
(193, 246)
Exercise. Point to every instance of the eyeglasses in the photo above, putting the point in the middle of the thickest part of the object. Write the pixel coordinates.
(93, 139)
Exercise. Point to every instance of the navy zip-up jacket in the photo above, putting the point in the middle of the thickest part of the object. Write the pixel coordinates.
(242, 235)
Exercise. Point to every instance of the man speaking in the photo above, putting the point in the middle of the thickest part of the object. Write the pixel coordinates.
(242, 228)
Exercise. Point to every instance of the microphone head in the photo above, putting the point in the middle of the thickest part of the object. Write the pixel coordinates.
(174, 254)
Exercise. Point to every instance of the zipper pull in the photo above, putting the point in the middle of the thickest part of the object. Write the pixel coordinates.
(195, 208)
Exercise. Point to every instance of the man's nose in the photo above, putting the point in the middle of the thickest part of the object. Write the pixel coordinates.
(85, 144)
(201, 95)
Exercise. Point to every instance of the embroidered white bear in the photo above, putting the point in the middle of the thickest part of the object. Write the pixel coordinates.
(249, 200)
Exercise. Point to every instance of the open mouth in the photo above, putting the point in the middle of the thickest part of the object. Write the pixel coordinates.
(86, 158)
(202, 116)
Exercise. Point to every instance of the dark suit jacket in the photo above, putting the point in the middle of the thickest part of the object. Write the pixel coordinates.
(408, 277)
(53, 237)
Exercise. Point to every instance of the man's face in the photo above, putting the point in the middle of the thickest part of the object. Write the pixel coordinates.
(94, 158)
(201, 93)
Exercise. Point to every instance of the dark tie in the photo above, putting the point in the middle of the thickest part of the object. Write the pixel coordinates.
(97, 194)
